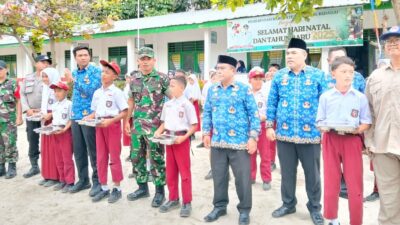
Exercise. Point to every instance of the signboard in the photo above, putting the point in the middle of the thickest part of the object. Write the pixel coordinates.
(328, 27)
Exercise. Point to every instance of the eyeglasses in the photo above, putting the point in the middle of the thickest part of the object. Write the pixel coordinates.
(395, 41)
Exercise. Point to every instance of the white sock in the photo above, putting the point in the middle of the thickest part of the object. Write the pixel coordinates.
(335, 222)
(104, 187)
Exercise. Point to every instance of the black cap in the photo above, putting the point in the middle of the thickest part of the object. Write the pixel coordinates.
(40, 58)
(227, 59)
(3, 64)
(297, 43)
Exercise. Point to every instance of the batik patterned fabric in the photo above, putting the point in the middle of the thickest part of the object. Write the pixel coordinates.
(231, 115)
(293, 104)
(86, 82)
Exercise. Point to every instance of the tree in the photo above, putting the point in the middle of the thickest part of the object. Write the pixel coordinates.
(56, 20)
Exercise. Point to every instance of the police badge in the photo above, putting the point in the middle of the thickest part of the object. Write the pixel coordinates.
(108, 104)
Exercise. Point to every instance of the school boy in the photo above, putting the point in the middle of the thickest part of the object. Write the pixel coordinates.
(343, 105)
(109, 105)
(256, 79)
(63, 138)
(178, 118)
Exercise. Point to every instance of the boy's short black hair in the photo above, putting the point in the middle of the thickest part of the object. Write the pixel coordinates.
(180, 79)
(277, 66)
(342, 60)
(78, 48)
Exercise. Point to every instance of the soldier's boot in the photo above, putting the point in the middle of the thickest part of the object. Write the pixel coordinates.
(2, 169)
(12, 171)
(142, 192)
(159, 197)
(34, 170)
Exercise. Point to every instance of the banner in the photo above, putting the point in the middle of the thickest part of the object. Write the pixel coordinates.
(328, 27)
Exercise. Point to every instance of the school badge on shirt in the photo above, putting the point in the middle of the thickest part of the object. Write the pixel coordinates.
(64, 116)
(354, 113)
(108, 104)
(180, 114)
(51, 101)
(260, 105)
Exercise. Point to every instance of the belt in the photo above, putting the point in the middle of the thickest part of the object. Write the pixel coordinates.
(342, 133)
(105, 117)
(176, 133)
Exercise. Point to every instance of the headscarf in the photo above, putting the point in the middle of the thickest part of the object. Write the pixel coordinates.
(47, 93)
(193, 90)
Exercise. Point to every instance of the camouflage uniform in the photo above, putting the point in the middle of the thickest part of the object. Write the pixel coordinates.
(148, 93)
(8, 127)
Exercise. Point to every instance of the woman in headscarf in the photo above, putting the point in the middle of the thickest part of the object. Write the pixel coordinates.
(48, 155)
(193, 93)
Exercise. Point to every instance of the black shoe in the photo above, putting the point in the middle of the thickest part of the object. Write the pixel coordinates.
(50, 183)
(67, 188)
(209, 175)
(100, 195)
(2, 169)
(186, 210)
(266, 186)
(159, 197)
(201, 145)
(142, 192)
(372, 197)
(12, 171)
(114, 196)
(42, 182)
(215, 214)
(253, 182)
(96, 188)
(244, 219)
(59, 186)
(343, 195)
(80, 186)
(317, 218)
(331, 223)
(169, 205)
(34, 170)
(283, 211)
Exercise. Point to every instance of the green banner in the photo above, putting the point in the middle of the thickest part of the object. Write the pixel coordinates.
(328, 27)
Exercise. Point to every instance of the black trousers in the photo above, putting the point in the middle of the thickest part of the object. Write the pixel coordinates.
(309, 155)
(239, 160)
(33, 140)
(84, 145)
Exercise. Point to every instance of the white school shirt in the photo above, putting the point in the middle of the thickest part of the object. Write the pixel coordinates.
(108, 102)
(48, 100)
(178, 114)
(62, 112)
(261, 100)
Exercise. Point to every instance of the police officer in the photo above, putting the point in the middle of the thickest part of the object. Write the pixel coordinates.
(31, 97)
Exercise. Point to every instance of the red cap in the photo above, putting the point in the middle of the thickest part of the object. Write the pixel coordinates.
(113, 65)
(61, 85)
(256, 73)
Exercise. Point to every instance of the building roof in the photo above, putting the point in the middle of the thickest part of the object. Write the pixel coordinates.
(208, 17)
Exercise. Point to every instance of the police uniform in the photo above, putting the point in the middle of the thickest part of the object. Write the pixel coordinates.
(178, 115)
(9, 96)
(343, 150)
(31, 97)
(108, 103)
(64, 161)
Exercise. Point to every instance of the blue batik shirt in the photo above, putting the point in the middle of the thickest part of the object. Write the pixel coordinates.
(86, 82)
(293, 104)
(358, 81)
(231, 116)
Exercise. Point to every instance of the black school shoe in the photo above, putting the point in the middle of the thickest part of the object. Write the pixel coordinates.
(101, 195)
(317, 218)
(372, 197)
(59, 186)
(114, 196)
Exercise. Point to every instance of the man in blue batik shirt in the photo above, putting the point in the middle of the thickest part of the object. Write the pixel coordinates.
(293, 103)
(86, 80)
(231, 116)
(358, 81)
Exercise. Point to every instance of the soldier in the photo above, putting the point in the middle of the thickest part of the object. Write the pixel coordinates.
(148, 90)
(31, 97)
(10, 118)
(86, 79)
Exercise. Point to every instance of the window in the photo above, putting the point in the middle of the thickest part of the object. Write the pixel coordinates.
(120, 56)
(188, 56)
(264, 59)
(67, 57)
(11, 61)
